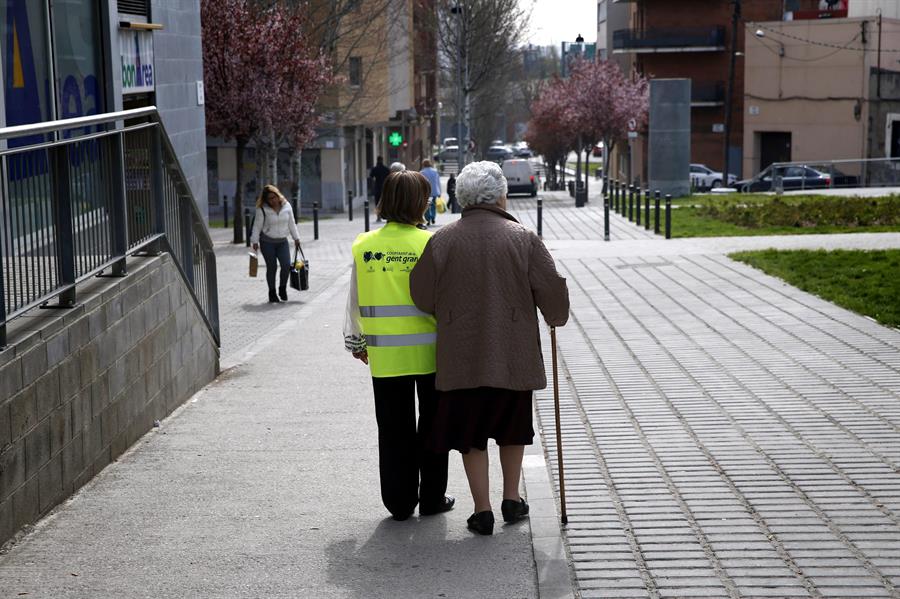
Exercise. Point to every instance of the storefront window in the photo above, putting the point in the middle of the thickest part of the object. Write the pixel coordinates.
(78, 52)
(26, 68)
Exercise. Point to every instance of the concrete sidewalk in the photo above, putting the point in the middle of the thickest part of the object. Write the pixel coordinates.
(266, 482)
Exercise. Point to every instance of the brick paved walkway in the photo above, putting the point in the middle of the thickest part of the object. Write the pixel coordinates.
(726, 435)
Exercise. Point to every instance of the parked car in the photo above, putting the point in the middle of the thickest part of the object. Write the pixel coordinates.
(450, 141)
(520, 177)
(498, 154)
(497, 142)
(597, 150)
(792, 177)
(449, 153)
(703, 177)
(521, 150)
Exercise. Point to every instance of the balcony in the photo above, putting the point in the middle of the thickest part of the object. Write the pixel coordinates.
(683, 39)
(707, 94)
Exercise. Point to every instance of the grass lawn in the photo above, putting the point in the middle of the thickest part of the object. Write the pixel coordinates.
(760, 214)
(593, 166)
(867, 282)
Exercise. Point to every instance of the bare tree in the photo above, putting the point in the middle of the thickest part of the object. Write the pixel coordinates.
(478, 41)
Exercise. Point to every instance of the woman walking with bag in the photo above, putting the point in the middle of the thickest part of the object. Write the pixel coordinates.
(484, 277)
(273, 222)
(383, 329)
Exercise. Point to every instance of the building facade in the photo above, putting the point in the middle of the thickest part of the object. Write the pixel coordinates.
(824, 89)
(384, 103)
(69, 59)
(662, 35)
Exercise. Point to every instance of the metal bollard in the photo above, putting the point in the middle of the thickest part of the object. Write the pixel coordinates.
(614, 190)
(647, 212)
(637, 206)
(656, 220)
(366, 213)
(606, 199)
(315, 220)
(225, 210)
(540, 217)
(350, 204)
(631, 203)
(668, 216)
(247, 226)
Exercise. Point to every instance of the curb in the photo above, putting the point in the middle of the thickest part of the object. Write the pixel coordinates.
(550, 555)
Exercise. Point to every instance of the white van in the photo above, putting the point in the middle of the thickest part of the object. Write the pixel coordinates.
(520, 177)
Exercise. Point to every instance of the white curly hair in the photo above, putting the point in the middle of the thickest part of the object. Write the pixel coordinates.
(480, 183)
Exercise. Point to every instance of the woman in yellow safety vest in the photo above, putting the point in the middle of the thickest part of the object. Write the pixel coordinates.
(385, 330)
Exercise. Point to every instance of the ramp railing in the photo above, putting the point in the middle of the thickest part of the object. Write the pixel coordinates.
(77, 196)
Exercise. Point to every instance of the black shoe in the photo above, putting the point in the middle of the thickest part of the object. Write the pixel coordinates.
(282, 293)
(401, 517)
(481, 523)
(445, 505)
(273, 299)
(513, 511)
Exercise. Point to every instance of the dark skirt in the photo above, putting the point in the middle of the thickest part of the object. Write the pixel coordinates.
(467, 418)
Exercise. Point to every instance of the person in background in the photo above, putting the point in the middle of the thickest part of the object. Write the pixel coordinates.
(397, 167)
(434, 179)
(484, 277)
(273, 222)
(451, 194)
(378, 174)
(382, 328)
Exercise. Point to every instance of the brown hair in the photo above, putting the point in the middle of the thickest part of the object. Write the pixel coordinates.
(404, 197)
(269, 189)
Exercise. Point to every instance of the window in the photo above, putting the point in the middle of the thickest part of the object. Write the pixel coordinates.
(355, 71)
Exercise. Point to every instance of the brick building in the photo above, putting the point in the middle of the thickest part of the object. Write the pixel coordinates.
(692, 40)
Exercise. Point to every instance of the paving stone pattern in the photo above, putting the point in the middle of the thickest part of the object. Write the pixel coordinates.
(725, 435)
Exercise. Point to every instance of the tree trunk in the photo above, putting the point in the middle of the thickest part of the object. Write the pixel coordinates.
(296, 168)
(578, 163)
(239, 195)
(587, 171)
(272, 175)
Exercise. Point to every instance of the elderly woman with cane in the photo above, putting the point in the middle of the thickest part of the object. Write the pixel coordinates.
(484, 277)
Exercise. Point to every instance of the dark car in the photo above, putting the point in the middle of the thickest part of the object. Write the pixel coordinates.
(792, 177)
(498, 154)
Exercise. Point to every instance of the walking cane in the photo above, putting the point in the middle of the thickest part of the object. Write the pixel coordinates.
(559, 450)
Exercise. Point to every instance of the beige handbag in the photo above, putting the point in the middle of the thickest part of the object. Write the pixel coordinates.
(254, 264)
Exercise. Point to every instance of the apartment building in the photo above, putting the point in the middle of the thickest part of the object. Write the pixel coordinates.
(822, 89)
(692, 39)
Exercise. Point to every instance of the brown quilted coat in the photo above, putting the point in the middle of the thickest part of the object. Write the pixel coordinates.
(483, 278)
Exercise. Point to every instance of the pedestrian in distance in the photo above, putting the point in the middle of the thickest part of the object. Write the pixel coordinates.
(484, 277)
(451, 194)
(382, 328)
(397, 167)
(378, 174)
(273, 222)
(434, 179)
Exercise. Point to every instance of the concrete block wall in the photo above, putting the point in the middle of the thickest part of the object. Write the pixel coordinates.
(178, 60)
(83, 385)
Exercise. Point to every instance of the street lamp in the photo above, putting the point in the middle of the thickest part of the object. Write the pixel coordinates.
(457, 9)
(729, 98)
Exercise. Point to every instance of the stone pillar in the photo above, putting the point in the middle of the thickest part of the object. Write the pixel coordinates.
(670, 136)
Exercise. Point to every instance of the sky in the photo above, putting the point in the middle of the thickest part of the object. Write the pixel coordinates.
(556, 21)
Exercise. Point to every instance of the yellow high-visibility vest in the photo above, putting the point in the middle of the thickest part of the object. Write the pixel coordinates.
(400, 339)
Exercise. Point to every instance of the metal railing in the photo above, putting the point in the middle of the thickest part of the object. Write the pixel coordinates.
(830, 174)
(682, 37)
(73, 206)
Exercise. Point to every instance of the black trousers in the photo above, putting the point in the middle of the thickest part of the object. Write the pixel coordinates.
(409, 473)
